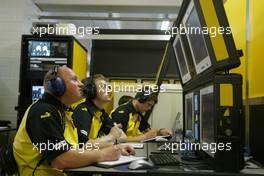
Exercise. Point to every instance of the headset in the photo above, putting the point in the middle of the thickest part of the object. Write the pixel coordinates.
(56, 84)
(144, 96)
(89, 90)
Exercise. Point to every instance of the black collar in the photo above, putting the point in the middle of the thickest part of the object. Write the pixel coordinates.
(48, 98)
(132, 109)
(93, 108)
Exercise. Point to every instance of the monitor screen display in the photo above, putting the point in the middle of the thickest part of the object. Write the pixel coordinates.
(196, 120)
(196, 103)
(37, 92)
(196, 39)
(45, 54)
(39, 48)
(189, 121)
(181, 59)
(207, 117)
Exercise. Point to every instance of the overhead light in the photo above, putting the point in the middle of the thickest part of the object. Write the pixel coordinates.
(164, 25)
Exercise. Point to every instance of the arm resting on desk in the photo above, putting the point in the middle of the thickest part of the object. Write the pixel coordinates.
(147, 135)
(150, 133)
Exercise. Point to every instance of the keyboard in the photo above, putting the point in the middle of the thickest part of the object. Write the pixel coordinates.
(164, 159)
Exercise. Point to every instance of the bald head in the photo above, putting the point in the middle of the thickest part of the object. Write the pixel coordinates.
(72, 84)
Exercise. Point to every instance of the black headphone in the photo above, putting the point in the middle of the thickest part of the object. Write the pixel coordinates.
(144, 96)
(56, 84)
(89, 90)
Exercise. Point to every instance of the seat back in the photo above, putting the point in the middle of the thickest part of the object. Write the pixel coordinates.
(7, 160)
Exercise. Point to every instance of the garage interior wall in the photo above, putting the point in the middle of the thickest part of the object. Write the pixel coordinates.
(16, 17)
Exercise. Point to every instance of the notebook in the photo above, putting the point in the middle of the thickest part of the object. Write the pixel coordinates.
(121, 160)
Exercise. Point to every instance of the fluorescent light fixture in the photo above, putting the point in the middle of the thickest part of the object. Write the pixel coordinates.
(164, 25)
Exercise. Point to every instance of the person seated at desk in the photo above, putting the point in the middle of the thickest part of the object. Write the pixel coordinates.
(134, 123)
(46, 141)
(90, 117)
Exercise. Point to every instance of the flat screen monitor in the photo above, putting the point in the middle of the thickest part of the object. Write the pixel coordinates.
(196, 39)
(37, 92)
(207, 133)
(181, 59)
(189, 115)
(39, 48)
(45, 54)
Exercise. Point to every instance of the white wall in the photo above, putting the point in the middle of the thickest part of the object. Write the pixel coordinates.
(16, 17)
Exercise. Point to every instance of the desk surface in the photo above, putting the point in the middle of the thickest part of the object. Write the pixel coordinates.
(168, 170)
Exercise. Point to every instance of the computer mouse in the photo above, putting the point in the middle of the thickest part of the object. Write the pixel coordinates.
(140, 164)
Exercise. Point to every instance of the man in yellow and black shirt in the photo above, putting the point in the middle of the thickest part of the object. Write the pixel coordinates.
(90, 118)
(134, 123)
(46, 140)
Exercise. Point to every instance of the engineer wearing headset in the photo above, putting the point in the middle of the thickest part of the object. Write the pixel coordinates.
(92, 122)
(134, 123)
(46, 141)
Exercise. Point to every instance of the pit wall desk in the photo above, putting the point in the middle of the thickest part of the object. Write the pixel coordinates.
(164, 170)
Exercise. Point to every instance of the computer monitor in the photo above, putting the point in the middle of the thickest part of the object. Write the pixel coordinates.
(189, 116)
(45, 54)
(37, 92)
(196, 39)
(207, 127)
(181, 59)
(39, 48)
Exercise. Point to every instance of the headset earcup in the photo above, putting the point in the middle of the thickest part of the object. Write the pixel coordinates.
(57, 86)
(90, 89)
(141, 97)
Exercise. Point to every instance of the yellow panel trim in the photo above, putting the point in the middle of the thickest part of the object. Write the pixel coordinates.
(212, 24)
(226, 95)
(79, 61)
(227, 112)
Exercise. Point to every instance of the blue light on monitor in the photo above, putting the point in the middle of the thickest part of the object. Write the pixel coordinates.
(195, 102)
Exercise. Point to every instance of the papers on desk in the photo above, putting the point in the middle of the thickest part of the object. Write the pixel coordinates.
(121, 160)
(135, 145)
(158, 138)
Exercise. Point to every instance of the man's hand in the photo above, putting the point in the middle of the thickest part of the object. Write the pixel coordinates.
(150, 134)
(111, 153)
(165, 132)
(116, 131)
(126, 150)
(123, 137)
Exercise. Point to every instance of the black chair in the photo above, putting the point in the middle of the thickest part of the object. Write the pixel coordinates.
(7, 160)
